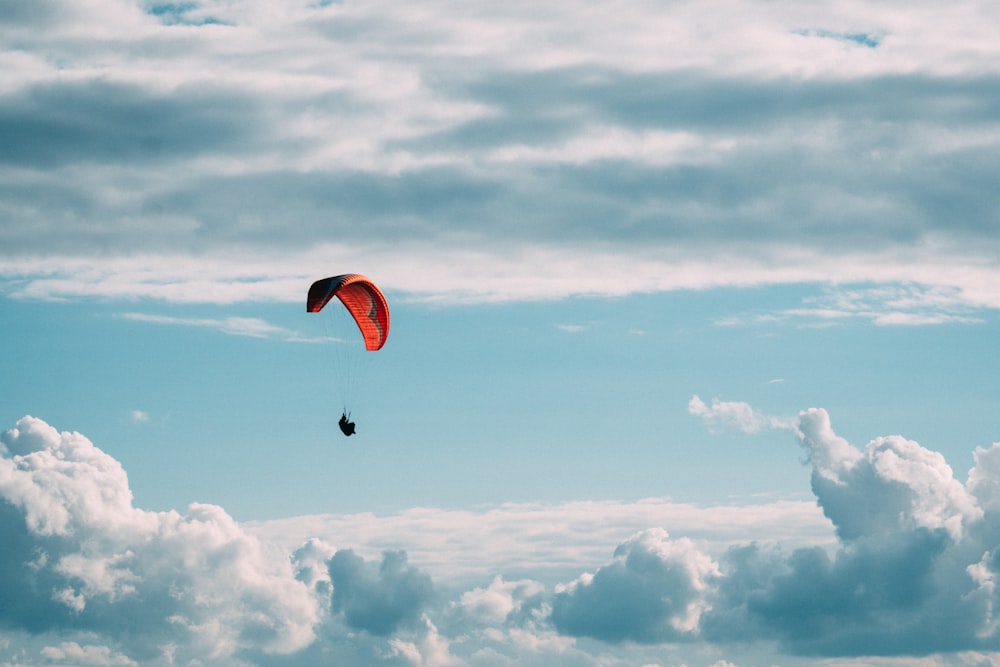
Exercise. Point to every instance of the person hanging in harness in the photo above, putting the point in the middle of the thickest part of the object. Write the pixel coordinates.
(346, 425)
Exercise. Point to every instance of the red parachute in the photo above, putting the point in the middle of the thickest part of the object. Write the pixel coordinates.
(363, 299)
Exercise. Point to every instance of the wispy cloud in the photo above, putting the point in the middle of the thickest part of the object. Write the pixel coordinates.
(885, 305)
(236, 326)
(735, 414)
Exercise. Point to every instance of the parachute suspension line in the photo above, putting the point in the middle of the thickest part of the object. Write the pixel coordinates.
(345, 356)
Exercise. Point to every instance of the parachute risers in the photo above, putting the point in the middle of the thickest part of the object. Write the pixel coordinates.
(363, 299)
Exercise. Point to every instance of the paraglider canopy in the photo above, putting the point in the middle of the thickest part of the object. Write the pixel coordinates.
(362, 298)
(366, 305)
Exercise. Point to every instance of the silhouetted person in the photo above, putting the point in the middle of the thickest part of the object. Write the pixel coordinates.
(346, 426)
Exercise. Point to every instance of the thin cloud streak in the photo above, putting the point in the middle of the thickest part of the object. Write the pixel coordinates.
(537, 273)
(887, 305)
(237, 326)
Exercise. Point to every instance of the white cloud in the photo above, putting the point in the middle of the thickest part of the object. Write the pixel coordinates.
(939, 500)
(238, 326)
(447, 275)
(432, 650)
(894, 485)
(886, 305)
(902, 577)
(734, 414)
(150, 580)
(499, 153)
(653, 591)
(378, 598)
(493, 604)
(908, 576)
(71, 653)
(598, 144)
(915, 560)
(830, 455)
(545, 542)
(984, 477)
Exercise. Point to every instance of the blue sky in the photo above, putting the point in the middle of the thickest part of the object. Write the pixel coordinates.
(693, 349)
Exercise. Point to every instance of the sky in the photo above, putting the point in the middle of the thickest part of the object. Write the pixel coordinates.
(693, 354)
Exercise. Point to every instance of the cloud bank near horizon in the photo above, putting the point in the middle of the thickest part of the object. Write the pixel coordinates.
(488, 154)
(912, 571)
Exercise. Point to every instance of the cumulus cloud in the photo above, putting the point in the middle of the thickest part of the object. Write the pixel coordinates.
(431, 648)
(378, 597)
(984, 477)
(913, 571)
(653, 591)
(494, 604)
(79, 555)
(895, 485)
